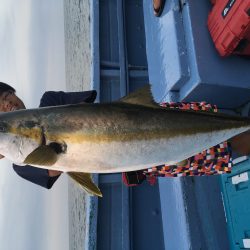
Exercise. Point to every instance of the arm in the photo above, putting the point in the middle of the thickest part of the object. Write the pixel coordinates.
(36, 175)
(53, 98)
(240, 143)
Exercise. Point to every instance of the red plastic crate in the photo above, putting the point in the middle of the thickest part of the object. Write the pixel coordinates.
(229, 26)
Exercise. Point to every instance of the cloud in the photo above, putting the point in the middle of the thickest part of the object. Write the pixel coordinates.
(36, 218)
(14, 30)
(32, 35)
(32, 59)
(47, 41)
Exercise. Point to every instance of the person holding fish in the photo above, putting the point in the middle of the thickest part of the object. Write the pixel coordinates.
(9, 101)
(162, 127)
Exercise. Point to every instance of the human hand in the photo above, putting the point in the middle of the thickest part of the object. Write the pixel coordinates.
(53, 173)
(240, 143)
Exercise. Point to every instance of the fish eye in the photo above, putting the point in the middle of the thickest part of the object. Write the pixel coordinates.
(3, 127)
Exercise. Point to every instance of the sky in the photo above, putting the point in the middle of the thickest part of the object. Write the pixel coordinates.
(32, 60)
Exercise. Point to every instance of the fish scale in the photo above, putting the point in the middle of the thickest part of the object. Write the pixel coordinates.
(120, 136)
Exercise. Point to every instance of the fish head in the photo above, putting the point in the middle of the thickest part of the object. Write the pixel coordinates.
(18, 137)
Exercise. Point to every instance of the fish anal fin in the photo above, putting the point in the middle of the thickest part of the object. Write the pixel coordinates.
(86, 182)
(44, 155)
(141, 96)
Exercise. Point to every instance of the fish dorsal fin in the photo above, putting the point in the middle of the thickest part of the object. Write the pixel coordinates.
(141, 96)
(44, 155)
(86, 182)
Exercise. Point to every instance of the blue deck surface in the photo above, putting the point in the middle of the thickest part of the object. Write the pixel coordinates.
(183, 63)
(190, 209)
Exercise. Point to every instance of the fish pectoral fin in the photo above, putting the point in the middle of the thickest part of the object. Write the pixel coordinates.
(86, 182)
(142, 96)
(44, 155)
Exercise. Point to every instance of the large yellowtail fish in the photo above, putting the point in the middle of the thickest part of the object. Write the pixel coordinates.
(131, 134)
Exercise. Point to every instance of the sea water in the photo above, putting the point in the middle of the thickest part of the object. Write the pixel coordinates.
(82, 208)
(77, 44)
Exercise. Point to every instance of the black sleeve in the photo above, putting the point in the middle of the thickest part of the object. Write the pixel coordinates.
(38, 176)
(51, 98)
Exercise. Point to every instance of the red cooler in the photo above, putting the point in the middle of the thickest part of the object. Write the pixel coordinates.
(229, 26)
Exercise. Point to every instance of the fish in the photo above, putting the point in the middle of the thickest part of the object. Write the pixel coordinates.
(131, 134)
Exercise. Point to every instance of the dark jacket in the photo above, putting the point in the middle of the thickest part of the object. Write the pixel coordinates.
(51, 98)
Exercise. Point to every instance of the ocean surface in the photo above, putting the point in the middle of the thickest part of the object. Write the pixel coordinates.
(77, 44)
(82, 219)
